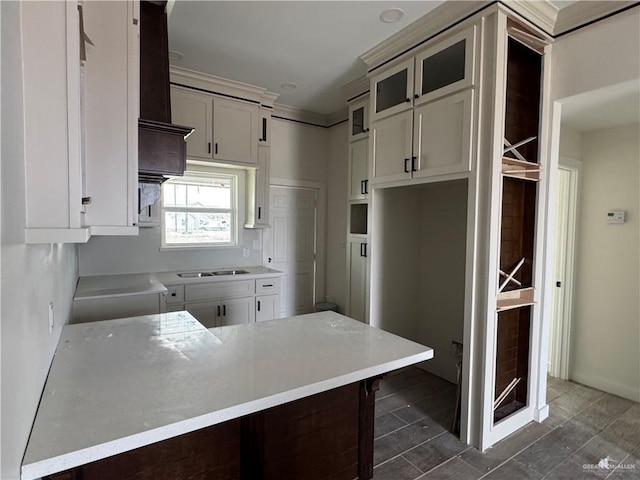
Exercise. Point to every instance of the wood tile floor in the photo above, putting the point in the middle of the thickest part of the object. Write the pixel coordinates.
(586, 427)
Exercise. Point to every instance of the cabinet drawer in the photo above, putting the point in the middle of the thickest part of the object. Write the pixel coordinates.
(210, 291)
(175, 294)
(175, 307)
(268, 286)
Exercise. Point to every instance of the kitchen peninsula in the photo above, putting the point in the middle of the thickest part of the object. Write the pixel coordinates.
(161, 396)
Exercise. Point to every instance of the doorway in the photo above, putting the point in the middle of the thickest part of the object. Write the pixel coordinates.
(293, 245)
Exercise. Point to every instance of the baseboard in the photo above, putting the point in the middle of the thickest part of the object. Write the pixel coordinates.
(606, 385)
(540, 414)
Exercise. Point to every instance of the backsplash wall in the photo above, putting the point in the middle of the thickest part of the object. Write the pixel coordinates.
(141, 254)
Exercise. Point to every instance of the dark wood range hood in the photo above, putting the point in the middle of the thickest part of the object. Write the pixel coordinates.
(162, 150)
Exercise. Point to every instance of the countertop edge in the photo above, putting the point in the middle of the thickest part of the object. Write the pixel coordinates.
(36, 470)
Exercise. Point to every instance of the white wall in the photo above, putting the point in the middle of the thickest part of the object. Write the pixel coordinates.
(570, 143)
(337, 215)
(32, 275)
(606, 53)
(606, 324)
(443, 238)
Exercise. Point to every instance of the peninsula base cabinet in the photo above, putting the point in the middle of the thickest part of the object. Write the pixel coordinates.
(230, 311)
(327, 435)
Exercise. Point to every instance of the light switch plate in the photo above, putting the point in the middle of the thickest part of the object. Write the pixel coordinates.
(616, 216)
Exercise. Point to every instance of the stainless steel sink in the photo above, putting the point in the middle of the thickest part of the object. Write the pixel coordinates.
(211, 274)
(229, 272)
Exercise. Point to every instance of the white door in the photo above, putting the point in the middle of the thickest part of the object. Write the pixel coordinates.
(293, 246)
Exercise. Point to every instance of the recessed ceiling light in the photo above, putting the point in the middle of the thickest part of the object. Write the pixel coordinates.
(391, 15)
(288, 86)
(175, 56)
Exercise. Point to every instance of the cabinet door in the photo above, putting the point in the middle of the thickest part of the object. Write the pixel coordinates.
(445, 67)
(267, 307)
(442, 136)
(235, 131)
(392, 90)
(112, 86)
(257, 210)
(193, 109)
(357, 279)
(358, 166)
(391, 156)
(359, 119)
(236, 311)
(207, 313)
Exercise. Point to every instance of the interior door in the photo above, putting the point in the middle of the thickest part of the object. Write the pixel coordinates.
(293, 225)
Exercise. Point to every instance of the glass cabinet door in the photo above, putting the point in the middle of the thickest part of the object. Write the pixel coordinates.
(393, 90)
(445, 67)
(359, 118)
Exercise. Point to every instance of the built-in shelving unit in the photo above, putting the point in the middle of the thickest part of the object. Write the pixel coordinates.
(520, 175)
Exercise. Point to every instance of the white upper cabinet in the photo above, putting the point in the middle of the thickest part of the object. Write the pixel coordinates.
(358, 169)
(442, 135)
(112, 108)
(392, 90)
(446, 67)
(235, 131)
(193, 109)
(226, 130)
(391, 156)
(80, 127)
(359, 119)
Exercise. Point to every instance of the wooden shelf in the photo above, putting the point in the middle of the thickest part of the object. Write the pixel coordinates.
(515, 299)
(514, 168)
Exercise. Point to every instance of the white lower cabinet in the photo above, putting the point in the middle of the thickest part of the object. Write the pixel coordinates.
(219, 304)
(267, 307)
(110, 307)
(358, 278)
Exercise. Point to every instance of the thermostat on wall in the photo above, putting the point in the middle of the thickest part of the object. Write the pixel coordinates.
(615, 216)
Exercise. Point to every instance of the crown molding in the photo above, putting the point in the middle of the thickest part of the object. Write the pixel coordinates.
(430, 24)
(581, 13)
(356, 87)
(205, 81)
(300, 115)
(340, 116)
(540, 13)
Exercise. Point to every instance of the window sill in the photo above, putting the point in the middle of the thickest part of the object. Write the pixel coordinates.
(191, 248)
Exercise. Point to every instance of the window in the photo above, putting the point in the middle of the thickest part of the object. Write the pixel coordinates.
(199, 211)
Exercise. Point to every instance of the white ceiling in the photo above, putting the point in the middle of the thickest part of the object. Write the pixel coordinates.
(604, 108)
(315, 44)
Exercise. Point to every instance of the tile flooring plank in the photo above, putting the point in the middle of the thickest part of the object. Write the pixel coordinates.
(395, 443)
(513, 470)
(454, 469)
(598, 450)
(601, 413)
(396, 469)
(428, 406)
(625, 430)
(436, 451)
(569, 470)
(386, 424)
(506, 448)
(551, 450)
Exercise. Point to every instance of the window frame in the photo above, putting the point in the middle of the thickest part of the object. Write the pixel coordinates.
(193, 173)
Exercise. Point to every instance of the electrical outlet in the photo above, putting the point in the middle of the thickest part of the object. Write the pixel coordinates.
(51, 323)
(245, 252)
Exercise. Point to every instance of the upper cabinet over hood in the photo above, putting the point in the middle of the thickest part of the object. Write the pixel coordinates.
(161, 145)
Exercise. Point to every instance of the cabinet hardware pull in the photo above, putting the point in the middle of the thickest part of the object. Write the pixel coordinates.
(209, 147)
(363, 249)
(366, 187)
(259, 213)
(265, 285)
(406, 165)
(366, 130)
(86, 200)
(224, 310)
(216, 148)
(218, 310)
(407, 100)
(413, 164)
(416, 96)
(362, 187)
(258, 305)
(264, 130)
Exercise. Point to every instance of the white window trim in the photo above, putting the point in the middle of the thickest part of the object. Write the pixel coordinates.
(195, 170)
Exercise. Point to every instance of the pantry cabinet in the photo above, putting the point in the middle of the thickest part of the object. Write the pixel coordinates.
(358, 279)
(392, 148)
(257, 207)
(392, 90)
(225, 130)
(358, 174)
(359, 118)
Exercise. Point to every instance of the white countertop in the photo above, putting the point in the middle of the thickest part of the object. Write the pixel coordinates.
(120, 384)
(118, 285)
(172, 278)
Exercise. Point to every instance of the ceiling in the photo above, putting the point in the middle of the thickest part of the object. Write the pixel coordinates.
(604, 108)
(314, 44)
